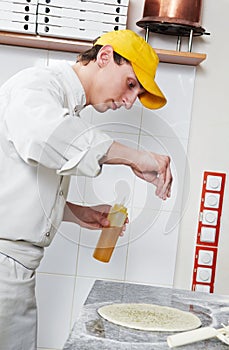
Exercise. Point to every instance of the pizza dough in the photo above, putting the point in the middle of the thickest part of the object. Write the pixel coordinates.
(149, 317)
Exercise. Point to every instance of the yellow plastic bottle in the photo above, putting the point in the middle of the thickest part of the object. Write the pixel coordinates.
(109, 235)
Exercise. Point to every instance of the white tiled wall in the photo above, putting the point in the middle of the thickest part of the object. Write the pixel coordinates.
(147, 252)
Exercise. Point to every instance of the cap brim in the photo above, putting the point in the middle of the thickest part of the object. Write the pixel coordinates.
(152, 98)
(152, 101)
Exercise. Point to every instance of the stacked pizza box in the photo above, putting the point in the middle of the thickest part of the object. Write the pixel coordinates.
(18, 16)
(80, 19)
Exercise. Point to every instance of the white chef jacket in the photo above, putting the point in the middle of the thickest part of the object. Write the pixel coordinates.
(42, 142)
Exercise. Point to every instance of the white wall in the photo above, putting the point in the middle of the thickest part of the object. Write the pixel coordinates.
(208, 143)
(147, 253)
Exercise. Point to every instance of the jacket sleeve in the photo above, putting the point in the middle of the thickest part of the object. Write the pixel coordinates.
(44, 132)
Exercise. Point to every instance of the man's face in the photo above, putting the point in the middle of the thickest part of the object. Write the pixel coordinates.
(115, 86)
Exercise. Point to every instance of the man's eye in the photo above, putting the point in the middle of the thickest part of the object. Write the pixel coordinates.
(131, 85)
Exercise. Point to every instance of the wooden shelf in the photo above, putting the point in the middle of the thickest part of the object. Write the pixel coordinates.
(180, 57)
(68, 45)
(43, 42)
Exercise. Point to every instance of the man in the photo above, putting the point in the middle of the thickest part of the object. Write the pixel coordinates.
(43, 142)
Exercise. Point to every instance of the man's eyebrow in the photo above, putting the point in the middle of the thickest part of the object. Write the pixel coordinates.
(142, 87)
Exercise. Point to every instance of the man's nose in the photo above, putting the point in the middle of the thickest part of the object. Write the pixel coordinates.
(129, 100)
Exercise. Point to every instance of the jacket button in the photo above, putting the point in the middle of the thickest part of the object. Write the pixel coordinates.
(61, 193)
(47, 234)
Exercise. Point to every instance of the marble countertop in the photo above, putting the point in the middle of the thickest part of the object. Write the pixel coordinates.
(90, 331)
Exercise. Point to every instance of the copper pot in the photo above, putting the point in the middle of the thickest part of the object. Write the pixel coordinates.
(183, 12)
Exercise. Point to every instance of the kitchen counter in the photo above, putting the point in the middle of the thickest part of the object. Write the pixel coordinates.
(91, 331)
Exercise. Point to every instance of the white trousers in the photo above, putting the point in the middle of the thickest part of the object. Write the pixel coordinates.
(18, 311)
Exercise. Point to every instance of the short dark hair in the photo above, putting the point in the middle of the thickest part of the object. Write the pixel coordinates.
(91, 54)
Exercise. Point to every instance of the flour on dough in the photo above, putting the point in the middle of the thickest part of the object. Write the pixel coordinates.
(149, 317)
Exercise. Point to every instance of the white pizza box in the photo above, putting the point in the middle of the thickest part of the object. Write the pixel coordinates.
(88, 15)
(18, 16)
(21, 27)
(12, 6)
(88, 6)
(25, 2)
(112, 2)
(65, 3)
(68, 33)
(77, 23)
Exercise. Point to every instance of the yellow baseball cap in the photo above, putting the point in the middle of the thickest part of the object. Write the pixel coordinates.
(143, 59)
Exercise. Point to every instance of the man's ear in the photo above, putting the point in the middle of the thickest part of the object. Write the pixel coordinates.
(105, 55)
